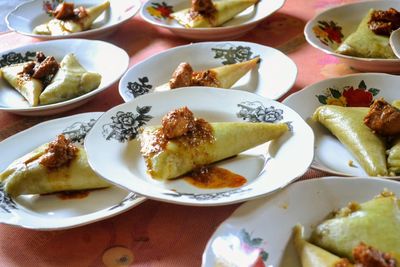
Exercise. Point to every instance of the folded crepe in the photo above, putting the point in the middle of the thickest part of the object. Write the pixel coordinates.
(221, 77)
(40, 171)
(313, 256)
(30, 88)
(68, 26)
(375, 224)
(71, 80)
(204, 143)
(365, 43)
(224, 11)
(346, 123)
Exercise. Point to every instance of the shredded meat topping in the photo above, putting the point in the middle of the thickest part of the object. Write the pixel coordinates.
(44, 68)
(343, 263)
(383, 118)
(205, 78)
(179, 125)
(59, 153)
(178, 122)
(205, 8)
(66, 11)
(384, 22)
(367, 256)
(182, 76)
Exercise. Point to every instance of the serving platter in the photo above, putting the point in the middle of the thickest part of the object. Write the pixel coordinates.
(274, 76)
(250, 236)
(50, 212)
(265, 167)
(351, 90)
(94, 56)
(26, 16)
(158, 13)
(329, 28)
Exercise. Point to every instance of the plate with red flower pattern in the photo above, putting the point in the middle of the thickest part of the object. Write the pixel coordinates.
(249, 237)
(327, 30)
(158, 13)
(355, 90)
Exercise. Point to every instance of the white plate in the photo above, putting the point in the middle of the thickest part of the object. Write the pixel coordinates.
(346, 18)
(25, 17)
(330, 154)
(274, 76)
(264, 226)
(234, 28)
(95, 56)
(265, 166)
(48, 212)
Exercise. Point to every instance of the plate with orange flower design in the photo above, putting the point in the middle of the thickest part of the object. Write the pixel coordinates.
(355, 90)
(158, 12)
(327, 30)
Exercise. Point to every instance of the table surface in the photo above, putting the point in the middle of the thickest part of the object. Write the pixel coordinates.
(155, 233)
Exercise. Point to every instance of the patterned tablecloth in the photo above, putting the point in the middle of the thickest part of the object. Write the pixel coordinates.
(155, 233)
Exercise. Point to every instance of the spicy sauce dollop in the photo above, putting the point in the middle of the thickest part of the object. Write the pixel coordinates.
(212, 177)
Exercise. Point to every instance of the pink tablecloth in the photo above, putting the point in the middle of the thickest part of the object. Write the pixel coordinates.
(154, 233)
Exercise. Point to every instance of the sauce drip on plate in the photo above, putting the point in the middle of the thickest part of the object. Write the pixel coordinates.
(214, 177)
(73, 194)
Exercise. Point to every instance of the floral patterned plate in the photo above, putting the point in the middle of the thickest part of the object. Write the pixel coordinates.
(25, 17)
(273, 77)
(158, 12)
(259, 233)
(93, 55)
(114, 151)
(327, 30)
(351, 90)
(54, 211)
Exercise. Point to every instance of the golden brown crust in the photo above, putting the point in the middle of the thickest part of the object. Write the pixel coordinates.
(59, 153)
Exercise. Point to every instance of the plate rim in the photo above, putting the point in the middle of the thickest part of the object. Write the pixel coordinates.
(80, 98)
(276, 195)
(308, 35)
(321, 167)
(118, 210)
(136, 3)
(212, 29)
(284, 56)
(218, 203)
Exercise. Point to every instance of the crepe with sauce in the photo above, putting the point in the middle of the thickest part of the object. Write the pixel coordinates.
(184, 143)
(71, 80)
(371, 39)
(68, 19)
(375, 224)
(206, 13)
(313, 256)
(347, 124)
(220, 77)
(30, 78)
(45, 81)
(53, 167)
